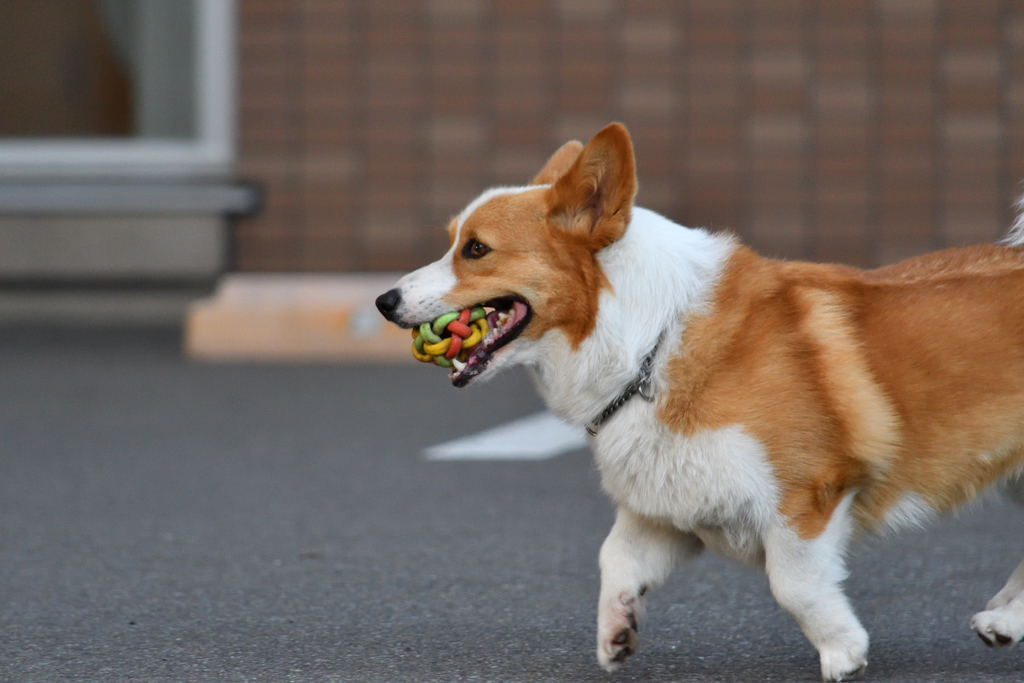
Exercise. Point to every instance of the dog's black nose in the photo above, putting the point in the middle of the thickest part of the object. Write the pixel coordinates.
(388, 302)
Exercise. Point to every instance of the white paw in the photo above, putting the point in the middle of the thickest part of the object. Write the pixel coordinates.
(1001, 627)
(617, 631)
(845, 662)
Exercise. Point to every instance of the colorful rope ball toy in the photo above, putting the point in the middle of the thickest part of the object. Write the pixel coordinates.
(450, 338)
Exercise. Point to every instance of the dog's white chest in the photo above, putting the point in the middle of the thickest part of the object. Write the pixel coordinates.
(716, 479)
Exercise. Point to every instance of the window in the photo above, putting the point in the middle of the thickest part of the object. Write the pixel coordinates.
(116, 88)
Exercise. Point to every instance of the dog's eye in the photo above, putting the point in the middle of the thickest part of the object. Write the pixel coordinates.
(475, 249)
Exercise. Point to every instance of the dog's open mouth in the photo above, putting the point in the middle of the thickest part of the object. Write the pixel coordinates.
(507, 318)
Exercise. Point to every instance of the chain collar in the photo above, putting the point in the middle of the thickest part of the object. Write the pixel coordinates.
(642, 384)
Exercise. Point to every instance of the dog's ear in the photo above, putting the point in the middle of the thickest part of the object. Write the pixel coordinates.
(593, 199)
(558, 164)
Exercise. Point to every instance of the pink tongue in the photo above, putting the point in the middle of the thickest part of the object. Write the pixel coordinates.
(518, 310)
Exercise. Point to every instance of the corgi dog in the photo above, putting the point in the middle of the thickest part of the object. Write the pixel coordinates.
(768, 410)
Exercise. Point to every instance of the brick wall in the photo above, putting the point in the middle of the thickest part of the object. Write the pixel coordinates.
(841, 130)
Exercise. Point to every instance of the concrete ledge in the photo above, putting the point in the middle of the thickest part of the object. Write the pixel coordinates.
(115, 199)
(84, 307)
(288, 317)
(118, 230)
(153, 247)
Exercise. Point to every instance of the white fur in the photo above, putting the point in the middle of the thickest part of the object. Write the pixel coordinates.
(1004, 625)
(636, 556)
(660, 272)
(910, 512)
(716, 483)
(806, 579)
(424, 291)
(1015, 235)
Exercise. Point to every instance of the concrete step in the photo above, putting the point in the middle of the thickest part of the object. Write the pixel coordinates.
(88, 306)
(296, 317)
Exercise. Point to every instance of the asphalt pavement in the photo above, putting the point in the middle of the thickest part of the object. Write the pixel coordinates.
(162, 520)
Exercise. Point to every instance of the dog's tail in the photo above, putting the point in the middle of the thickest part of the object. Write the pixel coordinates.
(1015, 235)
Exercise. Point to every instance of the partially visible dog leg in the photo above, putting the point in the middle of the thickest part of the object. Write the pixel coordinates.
(1002, 622)
(1003, 625)
(637, 555)
(806, 579)
(1014, 586)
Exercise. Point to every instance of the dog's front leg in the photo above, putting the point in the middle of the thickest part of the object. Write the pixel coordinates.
(806, 578)
(637, 555)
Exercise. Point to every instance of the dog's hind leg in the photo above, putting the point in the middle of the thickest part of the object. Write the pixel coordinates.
(1002, 622)
(806, 579)
(1014, 586)
(637, 555)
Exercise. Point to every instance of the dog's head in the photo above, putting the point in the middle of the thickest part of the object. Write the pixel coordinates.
(529, 253)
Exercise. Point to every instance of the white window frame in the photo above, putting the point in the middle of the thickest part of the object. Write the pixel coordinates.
(211, 153)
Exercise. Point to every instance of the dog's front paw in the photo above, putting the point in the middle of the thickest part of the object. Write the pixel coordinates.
(844, 662)
(1000, 627)
(617, 631)
(613, 649)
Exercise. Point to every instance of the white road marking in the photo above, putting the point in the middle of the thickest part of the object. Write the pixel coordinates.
(538, 437)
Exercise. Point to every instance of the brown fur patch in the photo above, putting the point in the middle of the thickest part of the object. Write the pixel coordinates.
(907, 379)
(595, 196)
(864, 412)
(555, 271)
(544, 243)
